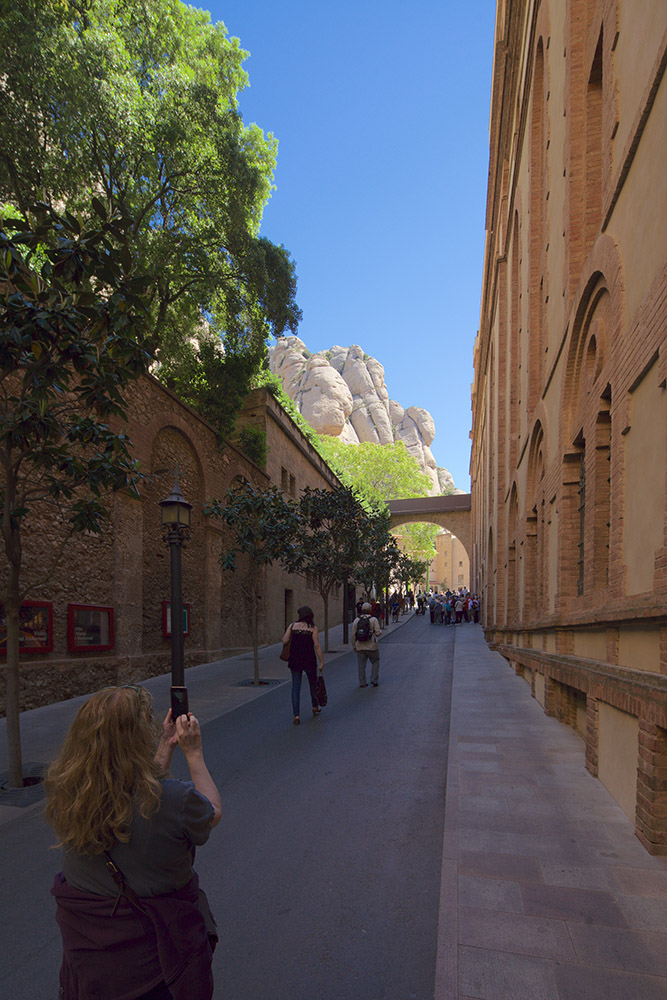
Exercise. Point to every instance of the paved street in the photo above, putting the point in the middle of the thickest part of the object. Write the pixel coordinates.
(324, 874)
(390, 849)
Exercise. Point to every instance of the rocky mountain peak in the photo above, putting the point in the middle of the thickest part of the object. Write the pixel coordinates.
(342, 392)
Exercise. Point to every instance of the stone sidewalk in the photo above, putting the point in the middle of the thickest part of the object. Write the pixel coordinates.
(546, 893)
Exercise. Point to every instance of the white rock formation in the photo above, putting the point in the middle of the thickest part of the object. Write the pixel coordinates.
(342, 392)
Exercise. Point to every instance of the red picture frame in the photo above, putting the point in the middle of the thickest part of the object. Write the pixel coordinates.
(90, 628)
(166, 619)
(36, 628)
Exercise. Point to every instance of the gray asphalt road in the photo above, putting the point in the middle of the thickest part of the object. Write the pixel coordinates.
(324, 874)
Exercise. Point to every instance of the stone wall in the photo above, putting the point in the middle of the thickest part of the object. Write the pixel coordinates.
(127, 569)
(569, 455)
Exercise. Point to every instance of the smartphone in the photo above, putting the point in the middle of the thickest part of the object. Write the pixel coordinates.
(179, 702)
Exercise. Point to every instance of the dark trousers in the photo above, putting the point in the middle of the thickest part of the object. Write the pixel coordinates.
(157, 993)
(311, 674)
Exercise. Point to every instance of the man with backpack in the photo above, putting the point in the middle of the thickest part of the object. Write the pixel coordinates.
(365, 633)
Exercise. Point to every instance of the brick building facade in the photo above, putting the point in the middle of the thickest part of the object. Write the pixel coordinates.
(569, 454)
(120, 581)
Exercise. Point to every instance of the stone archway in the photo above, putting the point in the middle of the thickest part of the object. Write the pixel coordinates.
(452, 512)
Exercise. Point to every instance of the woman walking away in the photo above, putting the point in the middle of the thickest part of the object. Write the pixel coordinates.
(133, 921)
(305, 654)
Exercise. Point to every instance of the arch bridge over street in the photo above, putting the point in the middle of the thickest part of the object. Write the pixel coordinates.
(451, 512)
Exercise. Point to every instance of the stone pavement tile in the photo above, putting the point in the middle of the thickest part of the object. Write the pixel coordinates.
(643, 914)
(515, 933)
(507, 783)
(563, 903)
(615, 842)
(583, 982)
(641, 882)
(483, 806)
(492, 975)
(469, 746)
(577, 876)
(617, 948)
(550, 848)
(484, 839)
(473, 784)
(523, 822)
(490, 894)
(508, 867)
(523, 796)
(479, 765)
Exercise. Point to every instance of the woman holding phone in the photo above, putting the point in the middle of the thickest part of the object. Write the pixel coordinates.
(133, 924)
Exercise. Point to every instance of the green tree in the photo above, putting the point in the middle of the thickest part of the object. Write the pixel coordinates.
(409, 572)
(383, 472)
(418, 540)
(379, 472)
(71, 340)
(265, 528)
(135, 101)
(336, 523)
(379, 553)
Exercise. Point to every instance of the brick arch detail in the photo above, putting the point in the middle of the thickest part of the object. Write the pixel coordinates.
(603, 272)
(538, 439)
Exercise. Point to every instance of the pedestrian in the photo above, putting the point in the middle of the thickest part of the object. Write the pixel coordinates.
(305, 655)
(395, 609)
(377, 610)
(128, 902)
(365, 631)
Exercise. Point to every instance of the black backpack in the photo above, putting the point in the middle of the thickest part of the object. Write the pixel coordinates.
(364, 630)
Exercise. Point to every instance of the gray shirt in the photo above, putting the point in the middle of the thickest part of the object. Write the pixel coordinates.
(159, 854)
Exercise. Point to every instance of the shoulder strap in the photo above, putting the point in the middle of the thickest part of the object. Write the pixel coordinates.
(123, 888)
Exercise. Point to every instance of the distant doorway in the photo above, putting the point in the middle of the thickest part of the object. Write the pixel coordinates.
(289, 607)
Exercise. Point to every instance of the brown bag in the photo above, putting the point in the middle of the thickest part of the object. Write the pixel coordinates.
(286, 647)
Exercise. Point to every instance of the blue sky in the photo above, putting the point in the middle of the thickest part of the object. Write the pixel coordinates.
(381, 110)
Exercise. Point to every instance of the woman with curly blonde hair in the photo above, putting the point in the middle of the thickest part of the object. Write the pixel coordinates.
(128, 903)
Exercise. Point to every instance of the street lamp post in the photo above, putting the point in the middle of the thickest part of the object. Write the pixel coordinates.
(176, 532)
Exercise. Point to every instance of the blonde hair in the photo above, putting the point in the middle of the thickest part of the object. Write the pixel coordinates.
(106, 766)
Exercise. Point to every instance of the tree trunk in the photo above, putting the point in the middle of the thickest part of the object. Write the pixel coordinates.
(13, 687)
(325, 598)
(12, 606)
(346, 612)
(254, 625)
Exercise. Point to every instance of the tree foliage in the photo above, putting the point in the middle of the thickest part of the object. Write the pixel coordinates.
(379, 554)
(73, 324)
(265, 527)
(409, 572)
(135, 102)
(380, 472)
(383, 472)
(335, 521)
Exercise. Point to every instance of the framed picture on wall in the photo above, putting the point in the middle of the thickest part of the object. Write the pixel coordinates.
(166, 619)
(89, 628)
(35, 628)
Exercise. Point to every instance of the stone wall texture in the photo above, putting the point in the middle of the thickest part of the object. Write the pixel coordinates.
(127, 569)
(569, 452)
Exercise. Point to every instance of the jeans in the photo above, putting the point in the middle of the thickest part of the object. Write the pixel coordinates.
(311, 674)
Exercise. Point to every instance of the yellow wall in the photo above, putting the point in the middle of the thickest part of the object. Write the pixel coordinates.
(639, 648)
(618, 752)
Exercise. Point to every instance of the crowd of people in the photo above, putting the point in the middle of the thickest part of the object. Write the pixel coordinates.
(451, 607)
